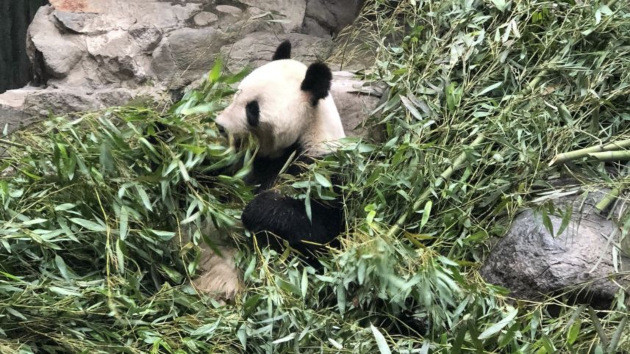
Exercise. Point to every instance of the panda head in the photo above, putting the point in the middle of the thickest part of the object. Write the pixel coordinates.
(284, 104)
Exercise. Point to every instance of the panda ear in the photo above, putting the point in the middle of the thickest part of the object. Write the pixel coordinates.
(283, 51)
(317, 81)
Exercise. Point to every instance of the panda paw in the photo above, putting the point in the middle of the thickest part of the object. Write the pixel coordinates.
(219, 276)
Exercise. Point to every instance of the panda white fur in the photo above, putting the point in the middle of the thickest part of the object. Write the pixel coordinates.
(287, 107)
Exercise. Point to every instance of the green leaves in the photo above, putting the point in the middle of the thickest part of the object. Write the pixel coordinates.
(90, 223)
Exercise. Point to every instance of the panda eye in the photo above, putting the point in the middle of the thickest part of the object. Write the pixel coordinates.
(252, 110)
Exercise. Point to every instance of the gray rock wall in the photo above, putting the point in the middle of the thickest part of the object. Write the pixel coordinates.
(91, 54)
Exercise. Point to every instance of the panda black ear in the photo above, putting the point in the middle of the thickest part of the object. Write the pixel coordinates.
(317, 81)
(283, 51)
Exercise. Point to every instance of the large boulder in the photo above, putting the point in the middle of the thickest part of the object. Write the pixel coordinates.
(22, 107)
(186, 54)
(326, 17)
(356, 100)
(291, 11)
(582, 261)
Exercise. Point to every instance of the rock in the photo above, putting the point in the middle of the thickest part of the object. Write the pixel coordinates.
(313, 28)
(12, 116)
(146, 39)
(118, 96)
(230, 10)
(186, 54)
(291, 11)
(72, 5)
(205, 18)
(22, 107)
(324, 17)
(90, 23)
(239, 23)
(355, 101)
(55, 101)
(45, 41)
(115, 55)
(257, 49)
(99, 16)
(530, 262)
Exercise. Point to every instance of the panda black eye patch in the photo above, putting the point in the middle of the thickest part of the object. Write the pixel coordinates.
(252, 110)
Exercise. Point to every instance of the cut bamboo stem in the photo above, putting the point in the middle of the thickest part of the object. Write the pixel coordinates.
(607, 200)
(610, 197)
(572, 155)
(611, 155)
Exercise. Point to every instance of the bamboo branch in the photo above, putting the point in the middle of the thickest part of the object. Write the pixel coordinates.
(443, 177)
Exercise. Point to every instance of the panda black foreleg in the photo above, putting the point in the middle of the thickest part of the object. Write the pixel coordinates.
(274, 218)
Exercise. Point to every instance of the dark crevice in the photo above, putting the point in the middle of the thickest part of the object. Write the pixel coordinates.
(15, 16)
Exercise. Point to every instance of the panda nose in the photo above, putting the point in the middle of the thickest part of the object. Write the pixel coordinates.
(222, 130)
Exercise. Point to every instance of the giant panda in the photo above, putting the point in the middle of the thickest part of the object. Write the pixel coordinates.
(288, 108)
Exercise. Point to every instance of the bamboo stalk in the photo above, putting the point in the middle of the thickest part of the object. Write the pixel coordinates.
(11, 143)
(614, 193)
(532, 85)
(443, 177)
(607, 200)
(572, 155)
(611, 155)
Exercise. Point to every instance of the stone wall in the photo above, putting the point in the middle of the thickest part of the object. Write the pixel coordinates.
(93, 54)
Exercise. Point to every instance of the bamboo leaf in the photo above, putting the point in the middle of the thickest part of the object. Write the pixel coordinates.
(215, 72)
(144, 197)
(426, 213)
(120, 256)
(380, 341)
(494, 329)
(410, 107)
(90, 225)
(489, 88)
(322, 180)
(123, 222)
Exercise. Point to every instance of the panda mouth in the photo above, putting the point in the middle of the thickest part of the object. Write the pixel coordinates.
(235, 142)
